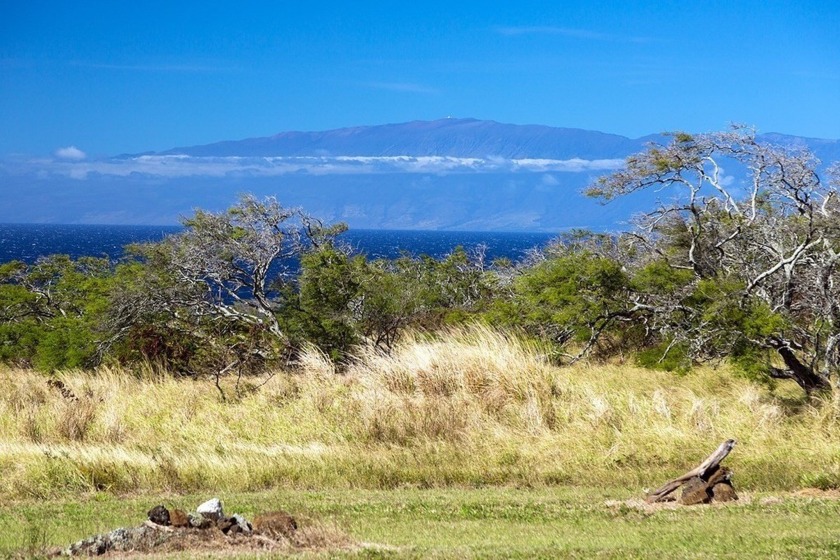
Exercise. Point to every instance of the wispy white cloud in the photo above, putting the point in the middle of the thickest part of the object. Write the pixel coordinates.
(71, 153)
(574, 165)
(404, 87)
(584, 34)
(188, 166)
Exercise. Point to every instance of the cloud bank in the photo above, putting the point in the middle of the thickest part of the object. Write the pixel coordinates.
(70, 162)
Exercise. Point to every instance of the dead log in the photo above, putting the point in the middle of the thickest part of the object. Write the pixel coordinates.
(711, 463)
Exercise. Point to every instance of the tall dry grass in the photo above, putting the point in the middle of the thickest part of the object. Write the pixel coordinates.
(472, 407)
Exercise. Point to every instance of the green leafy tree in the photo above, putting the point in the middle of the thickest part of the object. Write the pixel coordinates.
(346, 300)
(52, 313)
(575, 294)
(328, 292)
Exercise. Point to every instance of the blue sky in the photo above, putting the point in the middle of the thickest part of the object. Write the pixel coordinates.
(114, 77)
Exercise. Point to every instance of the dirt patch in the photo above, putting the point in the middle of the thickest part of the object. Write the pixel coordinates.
(313, 537)
(832, 494)
(641, 506)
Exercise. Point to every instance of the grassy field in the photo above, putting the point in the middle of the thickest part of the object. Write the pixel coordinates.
(476, 523)
(464, 445)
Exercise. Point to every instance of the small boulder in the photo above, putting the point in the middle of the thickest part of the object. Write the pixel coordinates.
(212, 509)
(242, 522)
(178, 518)
(275, 523)
(224, 524)
(723, 492)
(199, 521)
(142, 538)
(159, 515)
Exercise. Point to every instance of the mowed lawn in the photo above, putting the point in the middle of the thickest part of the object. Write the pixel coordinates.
(547, 522)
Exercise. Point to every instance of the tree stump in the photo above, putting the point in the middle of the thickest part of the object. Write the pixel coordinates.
(702, 482)
(723, 492)
(716, 486)
(695, 491)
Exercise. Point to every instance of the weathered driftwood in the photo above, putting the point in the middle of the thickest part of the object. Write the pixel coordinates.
(711, 463)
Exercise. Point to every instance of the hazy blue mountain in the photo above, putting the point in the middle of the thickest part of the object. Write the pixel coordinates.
(445, 137)
(826, 150)
(459, 174)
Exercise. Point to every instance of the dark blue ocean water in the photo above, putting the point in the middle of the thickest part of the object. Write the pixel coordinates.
(27, 242)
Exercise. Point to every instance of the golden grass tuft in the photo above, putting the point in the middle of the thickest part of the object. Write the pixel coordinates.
(472, 406)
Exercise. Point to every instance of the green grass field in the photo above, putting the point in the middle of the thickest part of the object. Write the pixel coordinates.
(477, 523)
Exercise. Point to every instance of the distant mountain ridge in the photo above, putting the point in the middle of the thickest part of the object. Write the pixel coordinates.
(465, 138)
(460, 137)
(446, 174)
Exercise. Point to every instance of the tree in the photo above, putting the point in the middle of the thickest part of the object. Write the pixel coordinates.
(328, 289)
(346, 300)
(750, 268)
(224, 282)
(52, 312)
(572, 294)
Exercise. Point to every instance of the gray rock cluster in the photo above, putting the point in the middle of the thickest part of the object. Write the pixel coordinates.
(207, 515)
(163, 525)
(123, 539)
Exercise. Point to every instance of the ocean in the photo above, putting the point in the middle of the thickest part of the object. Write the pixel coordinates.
(28, 242)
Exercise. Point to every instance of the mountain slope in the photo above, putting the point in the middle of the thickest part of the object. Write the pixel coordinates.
(466, 138)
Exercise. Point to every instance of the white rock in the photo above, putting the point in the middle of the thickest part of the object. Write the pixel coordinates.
(211, 508)
(242, 522)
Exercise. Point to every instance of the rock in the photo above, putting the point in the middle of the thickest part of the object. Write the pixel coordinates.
(242, 522)
(120, 540)
(178, 518)
(275, 523)
(91, 546)
(695, 491)
(723, 492)
(167, 531)
(212, 509)
(224, 524)
(124, 539)
(198, 521)
(159, 515)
